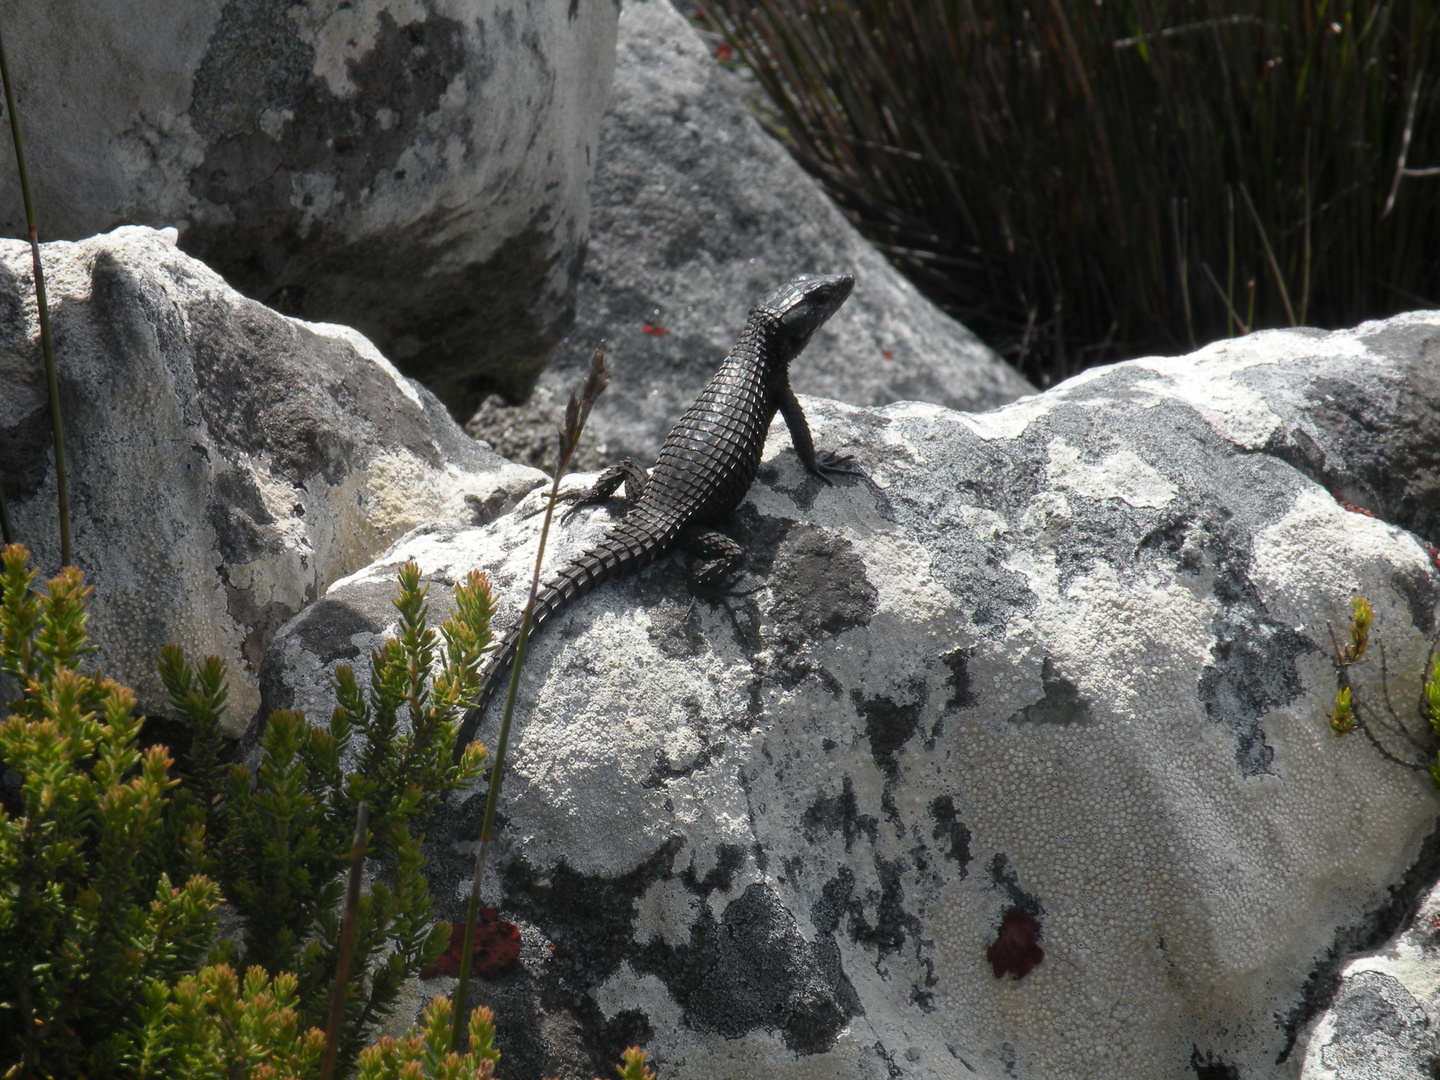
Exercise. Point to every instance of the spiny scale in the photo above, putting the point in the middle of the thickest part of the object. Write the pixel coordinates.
(707, 464)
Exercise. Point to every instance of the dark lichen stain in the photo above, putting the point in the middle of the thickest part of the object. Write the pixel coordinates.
(1417, 587)
(889, 724)
(765, 975)
(1060, 703)
(958, 662)
(1004, 878)
(327, 627)
(675, 628)
(819, 582)
(238, 515)
(893, 924)
(483, 511)
(952, 832)
(729, 858)
(1252, 671)
(1208, 1067)
(839, 813)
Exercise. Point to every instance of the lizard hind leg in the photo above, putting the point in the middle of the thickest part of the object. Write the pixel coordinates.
(719, 556)
(628, 472)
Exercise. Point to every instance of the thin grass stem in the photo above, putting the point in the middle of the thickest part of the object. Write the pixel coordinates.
(47, 344)
(1270, 255)
(576, 413)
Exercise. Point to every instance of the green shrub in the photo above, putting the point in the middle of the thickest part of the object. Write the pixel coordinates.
(1083, 181)
(280, 843)
(87, 914)
(98, 950)
(424, 1053)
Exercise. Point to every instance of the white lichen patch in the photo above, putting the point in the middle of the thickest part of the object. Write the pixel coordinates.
(1121, 475)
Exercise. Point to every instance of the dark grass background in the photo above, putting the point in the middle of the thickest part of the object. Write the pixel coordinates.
(1081, 181)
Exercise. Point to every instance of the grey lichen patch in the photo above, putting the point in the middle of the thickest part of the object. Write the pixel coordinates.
(765, 975)
(1252, 671)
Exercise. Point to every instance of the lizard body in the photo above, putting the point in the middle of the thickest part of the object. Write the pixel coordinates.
(705, 467)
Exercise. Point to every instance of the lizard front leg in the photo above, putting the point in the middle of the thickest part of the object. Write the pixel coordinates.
(824, 466)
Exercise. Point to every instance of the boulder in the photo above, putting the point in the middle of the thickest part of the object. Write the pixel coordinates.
(697, 213)
(413, 168)
(1384, 1021)
(226, 463)
(1012, 759)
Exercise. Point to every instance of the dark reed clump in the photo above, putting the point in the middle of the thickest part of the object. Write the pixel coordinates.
(1085, 180)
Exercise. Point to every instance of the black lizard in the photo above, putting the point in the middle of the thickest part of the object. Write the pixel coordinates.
(706, 465)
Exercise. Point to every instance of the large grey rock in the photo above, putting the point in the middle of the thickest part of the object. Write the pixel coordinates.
(413, 168)
(696, 213)
(226, 463)
(1068, 659)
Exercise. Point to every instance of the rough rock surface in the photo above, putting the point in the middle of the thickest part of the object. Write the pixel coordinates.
(1384, 1023)
(1062, 668)
(697, 213)
(416, 169)
(226, 463)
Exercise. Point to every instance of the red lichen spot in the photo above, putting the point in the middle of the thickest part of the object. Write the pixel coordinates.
(1355, 509)
(496, 948)
(887, 354)
(724, 52)
(654, 331)
(1015, 949)
(1434, 555)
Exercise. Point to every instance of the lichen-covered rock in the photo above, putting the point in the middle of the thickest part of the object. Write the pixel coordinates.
(1384, 1022)
(1011, 760)
(696, 213)
(226, 463)
(416, 169)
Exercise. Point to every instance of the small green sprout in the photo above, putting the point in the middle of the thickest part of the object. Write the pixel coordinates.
(1432, 695)
(1342, 720)
(1360, 622)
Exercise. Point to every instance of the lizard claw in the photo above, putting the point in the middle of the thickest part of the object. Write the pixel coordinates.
(828, 465)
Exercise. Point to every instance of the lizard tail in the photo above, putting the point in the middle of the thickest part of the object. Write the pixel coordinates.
(624, 549)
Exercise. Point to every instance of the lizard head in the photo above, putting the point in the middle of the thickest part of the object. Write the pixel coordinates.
(798, 309)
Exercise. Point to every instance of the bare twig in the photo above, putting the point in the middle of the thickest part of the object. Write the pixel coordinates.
(1386, 754)
(1390, 707)
(47, 346)
(1404, 149)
